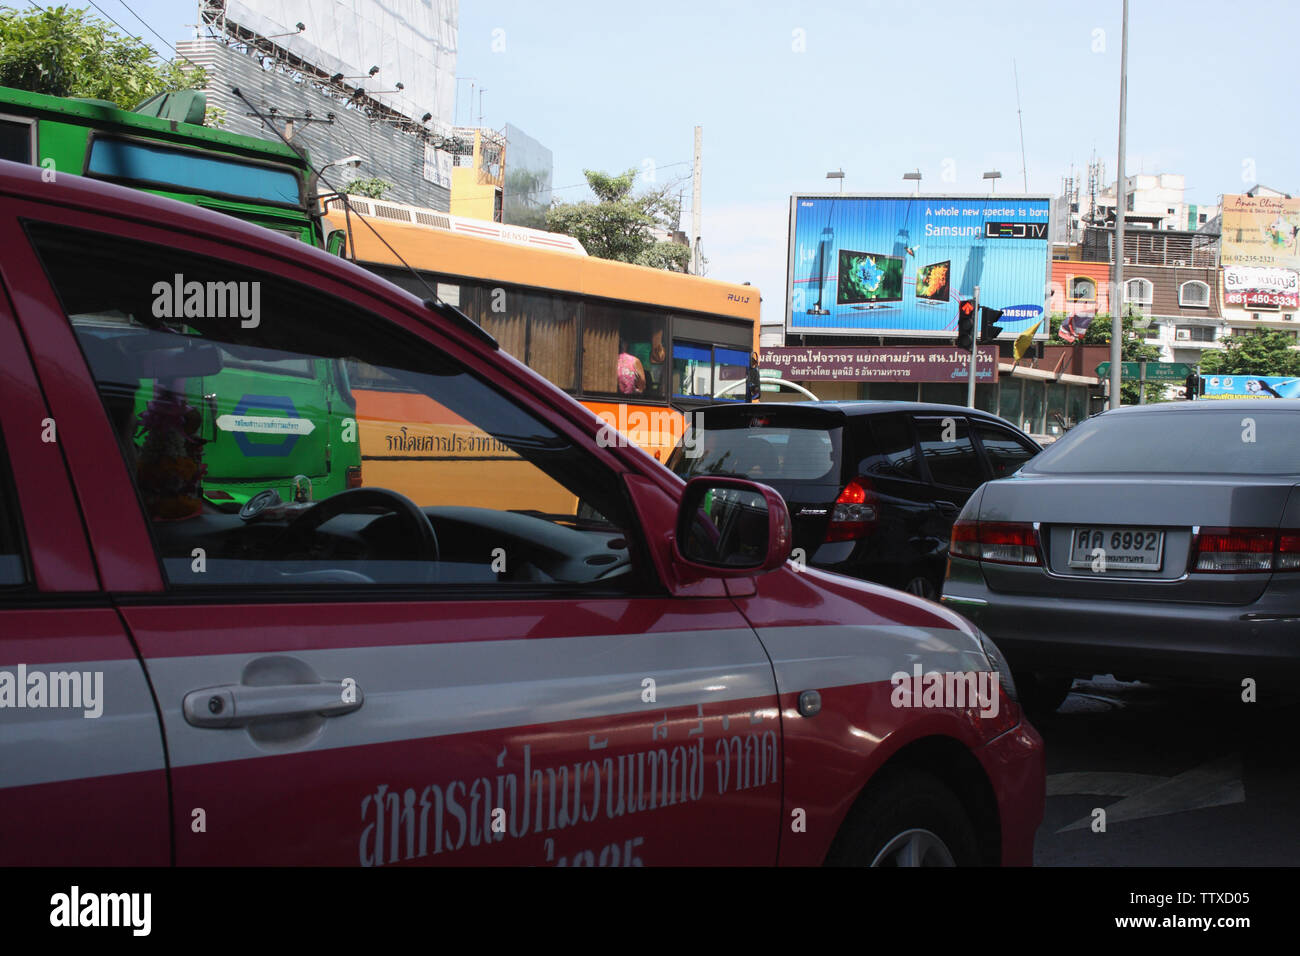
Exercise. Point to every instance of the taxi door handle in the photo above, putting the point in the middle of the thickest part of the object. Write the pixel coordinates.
(236, 705)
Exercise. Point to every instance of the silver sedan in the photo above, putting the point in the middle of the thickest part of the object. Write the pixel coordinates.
(1150, 542)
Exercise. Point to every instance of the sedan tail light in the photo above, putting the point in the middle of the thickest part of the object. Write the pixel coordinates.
(998, 542)
(855, 512)
(1243, 550)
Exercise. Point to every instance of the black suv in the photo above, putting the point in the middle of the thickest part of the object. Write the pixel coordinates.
(873, 487)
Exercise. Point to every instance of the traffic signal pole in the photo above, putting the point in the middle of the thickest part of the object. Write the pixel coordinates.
(974, 350)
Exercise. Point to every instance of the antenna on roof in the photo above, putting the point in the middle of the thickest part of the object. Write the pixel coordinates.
(448, 311)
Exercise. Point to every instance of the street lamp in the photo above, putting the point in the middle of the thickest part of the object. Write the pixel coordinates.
(837, 174)
(993, 175)
(914, 176)
(317, 176)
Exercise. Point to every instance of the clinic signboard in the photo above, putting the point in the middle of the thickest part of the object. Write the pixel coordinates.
(898, 265)
(1261, 231)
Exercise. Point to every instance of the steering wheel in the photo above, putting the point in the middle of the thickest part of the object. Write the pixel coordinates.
(358, 499)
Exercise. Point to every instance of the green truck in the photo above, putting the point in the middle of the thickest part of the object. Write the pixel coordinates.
(265, 419)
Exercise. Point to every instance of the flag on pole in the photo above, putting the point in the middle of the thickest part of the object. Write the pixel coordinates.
(1024, 340)
(1074, 327)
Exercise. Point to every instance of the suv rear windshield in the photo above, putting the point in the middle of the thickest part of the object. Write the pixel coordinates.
(1206, 441)
(763, 453)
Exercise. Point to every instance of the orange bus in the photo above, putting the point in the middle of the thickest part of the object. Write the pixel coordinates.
(680, 341)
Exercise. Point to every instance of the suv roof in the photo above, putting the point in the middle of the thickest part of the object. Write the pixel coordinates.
(1205, 404)
(860, 407)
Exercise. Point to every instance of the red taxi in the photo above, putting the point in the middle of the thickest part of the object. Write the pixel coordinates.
(512, 642)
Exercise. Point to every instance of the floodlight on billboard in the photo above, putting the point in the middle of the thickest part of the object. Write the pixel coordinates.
(413, 42)
(897, 265)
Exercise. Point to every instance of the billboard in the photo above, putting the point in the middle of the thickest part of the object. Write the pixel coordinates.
(906, 363)
(413, 42)
(897, 265)
(527, 193)
(1251, 386)
(1261, 231)
(1252, 285)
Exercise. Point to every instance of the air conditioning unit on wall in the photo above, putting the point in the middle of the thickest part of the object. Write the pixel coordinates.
(1184, 335)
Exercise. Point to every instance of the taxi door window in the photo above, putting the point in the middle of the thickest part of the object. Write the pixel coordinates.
(279, 437)
(13, 566)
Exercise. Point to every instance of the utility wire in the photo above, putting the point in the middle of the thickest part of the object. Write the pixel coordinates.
(141, 39)
(343, 197)
(149, 27)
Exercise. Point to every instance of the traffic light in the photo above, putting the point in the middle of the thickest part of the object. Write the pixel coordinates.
(989, 328)
(1193, 386)
(965, 324)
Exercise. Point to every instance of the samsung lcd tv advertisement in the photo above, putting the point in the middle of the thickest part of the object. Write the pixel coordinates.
(882, 265)
(868, 279)
(932, 281)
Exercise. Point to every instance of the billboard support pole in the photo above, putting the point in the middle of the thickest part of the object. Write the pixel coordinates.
(697, 266)
(974, 352)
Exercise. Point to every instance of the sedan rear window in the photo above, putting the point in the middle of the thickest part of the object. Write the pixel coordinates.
(1210, 441)
(764, 453)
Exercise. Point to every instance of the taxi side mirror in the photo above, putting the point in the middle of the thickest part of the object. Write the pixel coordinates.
(732, 527)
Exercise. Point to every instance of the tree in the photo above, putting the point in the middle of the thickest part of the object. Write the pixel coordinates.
(618, 225)
(371, 187)
(1264, 352)
(66, 52)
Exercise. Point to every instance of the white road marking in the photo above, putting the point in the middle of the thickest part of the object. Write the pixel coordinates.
(1214, 784)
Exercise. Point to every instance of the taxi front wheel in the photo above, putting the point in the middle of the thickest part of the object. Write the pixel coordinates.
(908, 818)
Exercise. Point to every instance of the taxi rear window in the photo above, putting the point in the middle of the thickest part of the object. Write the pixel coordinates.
(13, 567)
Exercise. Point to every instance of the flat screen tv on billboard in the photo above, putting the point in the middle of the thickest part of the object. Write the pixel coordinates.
(869, 278)
(898, 265)
(932, 281)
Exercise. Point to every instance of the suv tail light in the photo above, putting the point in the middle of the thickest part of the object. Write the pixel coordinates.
(998, 542)
(1241, 550)
(855, 512)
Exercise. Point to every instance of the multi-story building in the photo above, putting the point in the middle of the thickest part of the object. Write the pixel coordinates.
(383, 93)
(1151, 201)
(1171, 286)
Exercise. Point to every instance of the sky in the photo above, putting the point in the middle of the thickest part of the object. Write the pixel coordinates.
(786, 91)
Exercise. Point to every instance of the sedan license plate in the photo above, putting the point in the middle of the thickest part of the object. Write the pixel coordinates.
(1123, 549)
